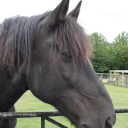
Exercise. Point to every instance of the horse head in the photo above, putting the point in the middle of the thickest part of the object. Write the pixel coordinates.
(60, 73)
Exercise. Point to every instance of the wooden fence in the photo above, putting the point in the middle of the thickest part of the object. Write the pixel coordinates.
(113, 79)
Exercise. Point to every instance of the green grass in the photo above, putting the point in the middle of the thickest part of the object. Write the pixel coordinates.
(28, 102)
(119, 97)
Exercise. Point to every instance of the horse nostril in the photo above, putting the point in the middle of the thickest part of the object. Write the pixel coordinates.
(108, 123)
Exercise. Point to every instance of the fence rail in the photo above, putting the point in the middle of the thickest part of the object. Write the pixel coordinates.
(45, 115)
(7, 115)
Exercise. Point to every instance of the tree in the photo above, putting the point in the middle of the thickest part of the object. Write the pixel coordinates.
(100, 53)
(120, 52)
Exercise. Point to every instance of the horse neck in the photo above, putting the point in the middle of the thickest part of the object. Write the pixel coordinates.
(13, 91)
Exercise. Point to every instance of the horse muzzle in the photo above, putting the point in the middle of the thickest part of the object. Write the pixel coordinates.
(108, 123)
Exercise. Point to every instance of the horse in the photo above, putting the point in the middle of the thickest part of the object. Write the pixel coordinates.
(48, 55)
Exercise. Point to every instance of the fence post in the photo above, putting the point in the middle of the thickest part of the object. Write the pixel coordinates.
(117, 79)
(101, 77)
(122, 79)
(126, 81)
(42, 122)
(109, 77)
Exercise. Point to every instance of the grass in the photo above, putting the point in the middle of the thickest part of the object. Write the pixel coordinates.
(28, 102)
(119, 97)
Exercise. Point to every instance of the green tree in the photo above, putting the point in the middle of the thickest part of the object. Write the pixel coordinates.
(100, 53)
(120, 52)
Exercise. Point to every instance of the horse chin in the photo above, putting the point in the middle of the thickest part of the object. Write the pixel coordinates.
(82, 126)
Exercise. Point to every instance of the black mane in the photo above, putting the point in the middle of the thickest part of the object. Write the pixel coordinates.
(17, 36)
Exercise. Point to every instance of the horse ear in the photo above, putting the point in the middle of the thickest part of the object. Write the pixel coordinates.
(76, 11)
(57, 15)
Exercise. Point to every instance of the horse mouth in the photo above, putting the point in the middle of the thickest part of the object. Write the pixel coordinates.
(108, 124)
(82, 126)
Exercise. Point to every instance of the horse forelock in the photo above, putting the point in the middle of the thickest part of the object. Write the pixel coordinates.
(72, 38)
(17, 35)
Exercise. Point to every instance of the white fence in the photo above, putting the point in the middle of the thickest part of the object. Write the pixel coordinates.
(113, 79)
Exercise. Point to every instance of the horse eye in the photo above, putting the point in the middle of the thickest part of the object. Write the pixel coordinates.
(67, 55)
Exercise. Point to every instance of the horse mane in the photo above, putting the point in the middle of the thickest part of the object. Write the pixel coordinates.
(17, 35)
(72, 37)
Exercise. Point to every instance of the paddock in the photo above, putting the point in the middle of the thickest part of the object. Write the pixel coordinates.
(28, 118)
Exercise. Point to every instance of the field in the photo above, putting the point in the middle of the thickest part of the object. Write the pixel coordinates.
(28, 102)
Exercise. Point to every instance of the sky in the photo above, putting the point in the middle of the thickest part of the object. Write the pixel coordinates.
(108, 17)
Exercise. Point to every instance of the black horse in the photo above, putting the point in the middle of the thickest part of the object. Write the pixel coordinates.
(48, 54)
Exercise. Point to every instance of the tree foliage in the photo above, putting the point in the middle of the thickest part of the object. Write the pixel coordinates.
(109, 56)
(120, 51)
(100, 52)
